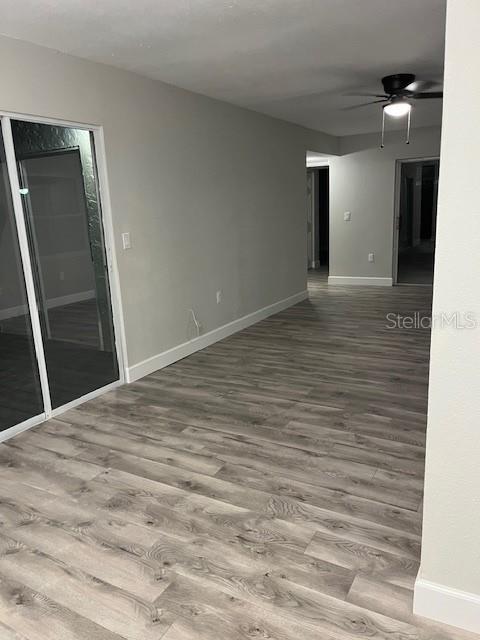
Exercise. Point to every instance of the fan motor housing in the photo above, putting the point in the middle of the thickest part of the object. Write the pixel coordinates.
(397, 83)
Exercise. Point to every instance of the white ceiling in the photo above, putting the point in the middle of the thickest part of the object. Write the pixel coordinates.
(293, 59)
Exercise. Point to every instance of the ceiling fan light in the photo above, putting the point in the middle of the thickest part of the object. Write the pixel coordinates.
(397, 108)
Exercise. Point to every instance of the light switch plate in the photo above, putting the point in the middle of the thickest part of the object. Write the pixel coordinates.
(126, 240)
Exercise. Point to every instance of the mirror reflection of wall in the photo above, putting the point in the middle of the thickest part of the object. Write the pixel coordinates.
(55, 200)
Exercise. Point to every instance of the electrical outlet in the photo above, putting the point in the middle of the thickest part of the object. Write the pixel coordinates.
(371, 257)
(219, 296)
(347, 216)
(61, 275)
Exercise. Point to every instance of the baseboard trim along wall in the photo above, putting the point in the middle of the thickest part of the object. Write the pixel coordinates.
(444, 604)
(161, 360)
(360, 280)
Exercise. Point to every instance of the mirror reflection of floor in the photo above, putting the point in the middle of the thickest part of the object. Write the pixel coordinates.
(76, 365)
(415, 264)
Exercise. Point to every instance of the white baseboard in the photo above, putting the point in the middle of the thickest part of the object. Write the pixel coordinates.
(141, 369)
(444, 604)
(360, 280)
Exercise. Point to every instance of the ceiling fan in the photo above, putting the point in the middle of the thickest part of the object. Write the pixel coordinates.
(400, 89)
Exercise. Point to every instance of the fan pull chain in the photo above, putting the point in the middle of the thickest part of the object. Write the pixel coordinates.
(383, 129)
(407, 141)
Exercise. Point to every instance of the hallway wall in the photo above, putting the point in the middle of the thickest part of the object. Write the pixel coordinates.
(213, 195)
(362, 181)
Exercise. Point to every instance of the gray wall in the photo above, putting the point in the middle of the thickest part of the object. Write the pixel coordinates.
(362, 181)
(213, 195)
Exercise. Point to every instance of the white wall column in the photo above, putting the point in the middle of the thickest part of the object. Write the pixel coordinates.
(448, 587)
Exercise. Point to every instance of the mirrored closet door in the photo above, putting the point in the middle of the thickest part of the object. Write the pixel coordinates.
(59, 219)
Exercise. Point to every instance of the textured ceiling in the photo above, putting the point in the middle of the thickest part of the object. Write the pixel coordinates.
(293, 59)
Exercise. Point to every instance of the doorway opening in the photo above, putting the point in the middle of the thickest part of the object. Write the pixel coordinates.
(318, 217)
(58, 342)
(416, 218)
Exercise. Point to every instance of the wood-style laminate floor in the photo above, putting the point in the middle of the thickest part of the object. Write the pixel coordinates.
(269, 486)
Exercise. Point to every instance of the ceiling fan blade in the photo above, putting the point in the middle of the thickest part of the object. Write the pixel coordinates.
(366, 95)
(364, 104)
(420, 85)
(428, 96)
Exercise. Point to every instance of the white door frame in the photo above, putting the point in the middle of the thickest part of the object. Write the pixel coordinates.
(396, 208)
(112, 269)
(310, 220)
